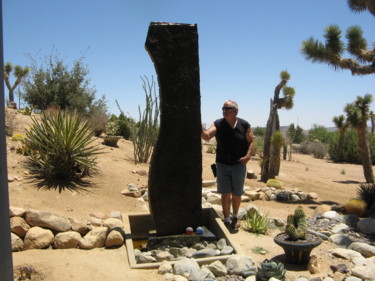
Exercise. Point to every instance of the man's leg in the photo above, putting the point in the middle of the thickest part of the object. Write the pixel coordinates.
(225, 203)
(238, 181)
(236, 202)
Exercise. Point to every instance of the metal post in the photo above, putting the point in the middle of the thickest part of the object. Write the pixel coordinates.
(6, 262)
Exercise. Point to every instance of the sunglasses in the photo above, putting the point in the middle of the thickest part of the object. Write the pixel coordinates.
(225, 108)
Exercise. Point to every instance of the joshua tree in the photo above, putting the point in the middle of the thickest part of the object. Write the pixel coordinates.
(332, 50)
(277, 142)
(19, 73)
(342, 126)
(362, 5)
(273, 123)
(357, 116)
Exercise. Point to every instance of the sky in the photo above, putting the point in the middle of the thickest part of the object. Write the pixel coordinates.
(243, 47)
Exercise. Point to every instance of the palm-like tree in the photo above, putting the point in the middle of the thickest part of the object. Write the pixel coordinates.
(19, 73)
(342, 126)
(273, 123)
(358, 113)
(332, 50)
(362, 5)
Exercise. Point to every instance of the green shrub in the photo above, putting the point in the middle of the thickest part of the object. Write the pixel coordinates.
(256, 222)
(349, 152)
(124, 129)
(318, 132)
(63, 147)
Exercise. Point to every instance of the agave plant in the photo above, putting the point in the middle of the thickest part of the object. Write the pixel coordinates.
(256, 222)
(63, 147)
(268, 269)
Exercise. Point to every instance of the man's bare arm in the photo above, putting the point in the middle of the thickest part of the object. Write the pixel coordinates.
(210, 133)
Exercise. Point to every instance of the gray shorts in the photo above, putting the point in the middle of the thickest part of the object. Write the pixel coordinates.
(230, 178)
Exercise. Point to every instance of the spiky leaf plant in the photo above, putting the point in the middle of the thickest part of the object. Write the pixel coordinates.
(268, 269)
(63, 146)
(256, 222)
(366, 192)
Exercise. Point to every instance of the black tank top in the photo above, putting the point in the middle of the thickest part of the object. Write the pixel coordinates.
(231, 142)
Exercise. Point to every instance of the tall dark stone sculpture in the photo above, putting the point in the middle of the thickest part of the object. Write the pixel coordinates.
(175, 177)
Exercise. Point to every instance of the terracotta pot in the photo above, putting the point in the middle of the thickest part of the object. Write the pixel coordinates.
(297, 252)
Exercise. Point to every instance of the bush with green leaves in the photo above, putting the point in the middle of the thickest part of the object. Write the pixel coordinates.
(318, 132)
(53, 82)
(349, 151)
(63, 146)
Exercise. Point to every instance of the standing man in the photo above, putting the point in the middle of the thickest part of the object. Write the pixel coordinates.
(235, 143)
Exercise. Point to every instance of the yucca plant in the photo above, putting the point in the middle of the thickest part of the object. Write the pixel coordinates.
(63, 146)
(256, 222)
(367, 193)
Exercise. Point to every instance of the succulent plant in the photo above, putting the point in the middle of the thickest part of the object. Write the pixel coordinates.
(256, 222)
(18, 137)
(296, 227)
(268, 269)
(356, 206)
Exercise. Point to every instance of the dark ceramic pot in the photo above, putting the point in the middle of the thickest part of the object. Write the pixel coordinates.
(297, 252)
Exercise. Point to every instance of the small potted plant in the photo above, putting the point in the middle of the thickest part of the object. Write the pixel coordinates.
(111, 138)
(296, 241)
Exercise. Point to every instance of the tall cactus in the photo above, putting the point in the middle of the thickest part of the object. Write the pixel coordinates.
(296, 227)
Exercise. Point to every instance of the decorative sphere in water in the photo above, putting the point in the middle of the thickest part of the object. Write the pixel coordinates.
(189, 230)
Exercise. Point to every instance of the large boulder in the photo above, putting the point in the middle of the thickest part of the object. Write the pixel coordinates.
(38, 238)
(95, 238)
(19, 226)
(47, 220)
(67, 240)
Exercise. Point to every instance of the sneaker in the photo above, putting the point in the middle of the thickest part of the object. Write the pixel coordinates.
(231, 230)
(227, 225)
(235, 224)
